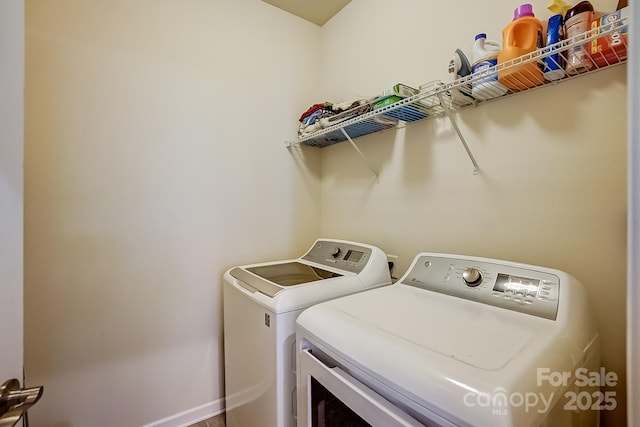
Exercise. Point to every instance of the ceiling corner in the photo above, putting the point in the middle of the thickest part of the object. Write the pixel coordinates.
(316, 11)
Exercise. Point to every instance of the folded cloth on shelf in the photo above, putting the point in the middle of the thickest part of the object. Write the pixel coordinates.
(307, 129)
(345, 106)
(326, 114)
(313, 109)
(356, 109)
(311, 118)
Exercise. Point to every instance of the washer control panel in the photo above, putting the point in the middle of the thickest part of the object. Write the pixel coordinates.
(342, 255)
(522, 289)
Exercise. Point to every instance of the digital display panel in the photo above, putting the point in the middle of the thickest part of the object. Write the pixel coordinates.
(353, 256)
(524, 285)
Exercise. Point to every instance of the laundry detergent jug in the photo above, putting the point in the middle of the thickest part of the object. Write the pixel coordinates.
(522, 36)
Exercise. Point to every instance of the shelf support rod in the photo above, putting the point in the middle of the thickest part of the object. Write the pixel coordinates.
(457, 129)
(355, 147)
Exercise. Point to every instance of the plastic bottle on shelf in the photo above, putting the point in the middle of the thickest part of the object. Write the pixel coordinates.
(554, 64)
(523, 35)
(577, 21)
(485, 56)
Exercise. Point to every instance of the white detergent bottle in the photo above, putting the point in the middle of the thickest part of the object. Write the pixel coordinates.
(485, 56)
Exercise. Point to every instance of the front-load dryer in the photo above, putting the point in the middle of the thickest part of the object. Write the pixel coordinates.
(457, 341)
(261, 304)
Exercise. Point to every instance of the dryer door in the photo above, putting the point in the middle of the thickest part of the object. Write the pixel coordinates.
(331, 397)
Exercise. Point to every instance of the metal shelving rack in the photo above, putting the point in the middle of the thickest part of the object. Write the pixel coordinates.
(438, 99)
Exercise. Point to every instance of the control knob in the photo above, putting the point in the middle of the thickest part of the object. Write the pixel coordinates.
(472, 277)
(335, 251)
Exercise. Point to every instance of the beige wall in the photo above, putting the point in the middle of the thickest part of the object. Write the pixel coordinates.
(155, 160)
(552, 186)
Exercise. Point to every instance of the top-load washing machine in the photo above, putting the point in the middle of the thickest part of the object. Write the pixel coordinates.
(261, 304)
(457, 341)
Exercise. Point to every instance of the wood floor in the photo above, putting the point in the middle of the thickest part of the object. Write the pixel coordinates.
(217, 421)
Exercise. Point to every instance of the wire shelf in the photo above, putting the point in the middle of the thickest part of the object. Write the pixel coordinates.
(437, 99)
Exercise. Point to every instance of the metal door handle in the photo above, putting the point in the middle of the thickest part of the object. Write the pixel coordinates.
(15, 400)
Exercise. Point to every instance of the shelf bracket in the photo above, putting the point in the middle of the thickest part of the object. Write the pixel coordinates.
(355, 147)
(447, 112)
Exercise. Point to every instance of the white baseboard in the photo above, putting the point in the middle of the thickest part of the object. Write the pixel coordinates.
(191, 416)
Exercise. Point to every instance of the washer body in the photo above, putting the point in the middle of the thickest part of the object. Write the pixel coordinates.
(457, 341)
(261, 304)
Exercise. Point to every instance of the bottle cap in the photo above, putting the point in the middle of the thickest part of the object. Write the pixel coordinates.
(583, 6)
(523, 10)
(481, 36)
(558, 6)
